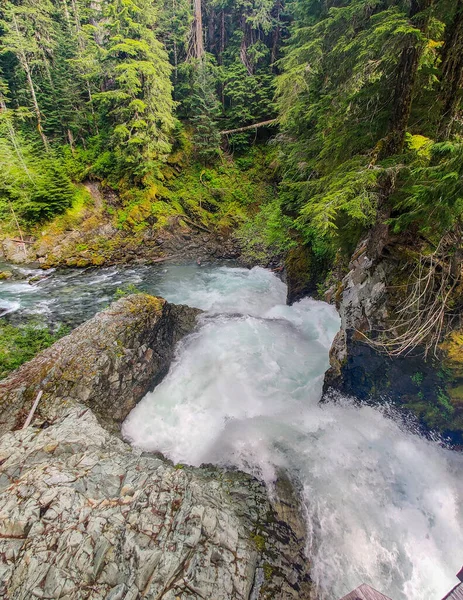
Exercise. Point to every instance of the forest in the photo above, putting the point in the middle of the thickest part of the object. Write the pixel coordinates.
(340, 115)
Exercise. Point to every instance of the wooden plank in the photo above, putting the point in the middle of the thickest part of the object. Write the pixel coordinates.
(365, 592)
(456, 593)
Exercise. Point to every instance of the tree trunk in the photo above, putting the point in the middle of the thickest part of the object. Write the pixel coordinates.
(452, 74)
(25, 65)
(276, 37)
(244, 46)
(247, 127)
(222, 36)
(402, 102)
(66, 13)
(407, 69)
(198, 41)
(12, 134)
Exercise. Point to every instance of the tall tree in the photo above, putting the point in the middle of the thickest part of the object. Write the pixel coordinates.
(137, 92)
(29, 35)
(452, 73)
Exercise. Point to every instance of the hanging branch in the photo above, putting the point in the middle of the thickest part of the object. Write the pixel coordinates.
(19, 229)
(426, 313)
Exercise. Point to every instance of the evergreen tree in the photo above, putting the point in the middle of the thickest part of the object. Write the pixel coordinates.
(137, 93)
(204, 110)
(29, 34)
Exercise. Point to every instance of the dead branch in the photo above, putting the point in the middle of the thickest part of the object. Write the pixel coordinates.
(424, 315)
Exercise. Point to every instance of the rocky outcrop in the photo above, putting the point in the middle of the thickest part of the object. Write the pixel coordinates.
(363, 370)
(108, 363)
(91, 237)
(85, 516)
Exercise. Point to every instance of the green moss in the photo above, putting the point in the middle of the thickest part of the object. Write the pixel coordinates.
(127, 290)
(268, 571)
(417, 378)
(453, 349)
(259, 541)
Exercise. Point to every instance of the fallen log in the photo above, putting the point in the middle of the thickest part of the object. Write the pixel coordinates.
(247, 127)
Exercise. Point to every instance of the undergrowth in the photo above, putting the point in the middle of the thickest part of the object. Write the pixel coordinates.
(18, 344)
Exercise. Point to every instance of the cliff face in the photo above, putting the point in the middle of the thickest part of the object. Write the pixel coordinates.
(84, 516)
(428, 387)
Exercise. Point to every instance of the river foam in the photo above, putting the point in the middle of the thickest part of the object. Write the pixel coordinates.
(384, 505)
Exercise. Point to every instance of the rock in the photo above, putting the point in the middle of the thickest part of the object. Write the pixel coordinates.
(108, 363)
(15, 252)
(299, 276)
(6, 275)
(364, 371)
(97, 520)
(303, 272)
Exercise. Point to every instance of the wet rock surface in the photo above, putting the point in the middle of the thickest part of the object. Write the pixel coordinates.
(85, 516)
(423, 387)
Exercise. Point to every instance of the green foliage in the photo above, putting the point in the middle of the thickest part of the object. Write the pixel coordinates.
(20, 344)
(431, 194)
(417, 378)
(127, 290)
(138, 102)
(204, 110)
(32, 185)
(266, 234)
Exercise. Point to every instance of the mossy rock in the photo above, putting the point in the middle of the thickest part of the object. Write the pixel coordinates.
(304, 271)
(6, 275)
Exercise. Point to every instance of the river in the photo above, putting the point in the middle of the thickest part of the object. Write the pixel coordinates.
(384, 506)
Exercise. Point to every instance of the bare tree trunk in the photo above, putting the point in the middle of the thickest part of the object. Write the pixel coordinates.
(247, 127)
(25, 64)
(244, 46)
(38, 114)
(174, 8)
(198, 39)
(276, 37)
(66, 13)
(222, 35)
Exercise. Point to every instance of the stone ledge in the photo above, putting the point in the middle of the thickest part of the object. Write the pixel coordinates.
(108, 363)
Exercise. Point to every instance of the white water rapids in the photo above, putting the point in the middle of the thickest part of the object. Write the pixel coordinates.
(384, 506)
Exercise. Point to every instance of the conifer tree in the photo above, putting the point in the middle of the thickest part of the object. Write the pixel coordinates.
(137, 96)
(29, 35)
